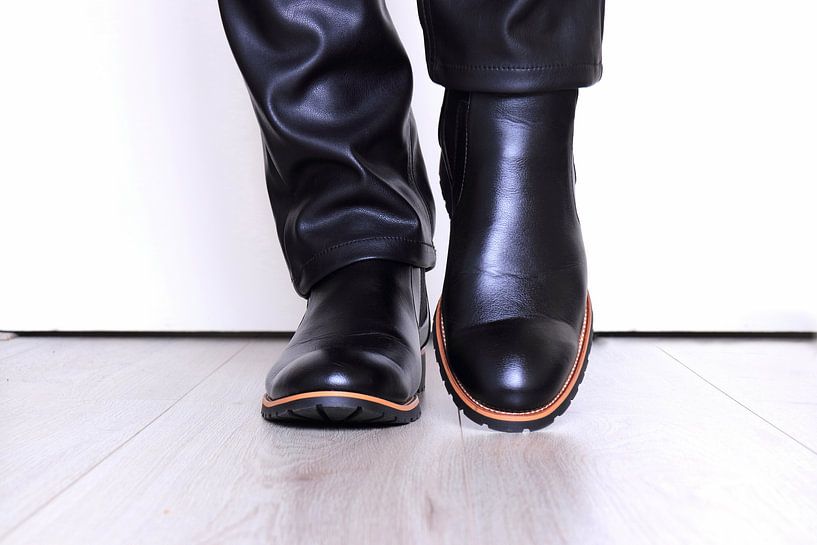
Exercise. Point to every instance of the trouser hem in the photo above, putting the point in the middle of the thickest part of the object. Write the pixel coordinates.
(515, 79)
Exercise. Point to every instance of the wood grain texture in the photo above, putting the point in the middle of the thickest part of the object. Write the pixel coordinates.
(67, 403)
(20, 344)
(648, 453)
(777, 379)
(212, 471)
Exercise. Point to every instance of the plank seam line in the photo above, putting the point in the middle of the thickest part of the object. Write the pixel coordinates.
(784, 432)
(118, 448)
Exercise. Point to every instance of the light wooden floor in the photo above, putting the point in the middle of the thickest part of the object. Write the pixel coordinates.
(159, 441)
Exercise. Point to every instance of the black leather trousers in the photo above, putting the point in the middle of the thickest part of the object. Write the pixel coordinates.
(331, 86)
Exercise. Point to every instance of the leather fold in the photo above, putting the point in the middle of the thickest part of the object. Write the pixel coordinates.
(331, 86)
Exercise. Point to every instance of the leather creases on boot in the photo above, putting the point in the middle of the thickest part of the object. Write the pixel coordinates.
(357, 356)
(514, 321)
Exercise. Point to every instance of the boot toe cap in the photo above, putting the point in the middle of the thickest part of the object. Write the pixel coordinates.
(341, 369)
(514, 366)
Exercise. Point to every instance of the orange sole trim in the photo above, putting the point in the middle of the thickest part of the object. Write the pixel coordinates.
(412, 404)
(527, 416)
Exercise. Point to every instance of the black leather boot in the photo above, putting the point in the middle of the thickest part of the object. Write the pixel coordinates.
(513, 325)
(358, 356)
(331, 87)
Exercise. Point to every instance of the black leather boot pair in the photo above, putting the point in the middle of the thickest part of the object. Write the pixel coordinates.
(331, 87)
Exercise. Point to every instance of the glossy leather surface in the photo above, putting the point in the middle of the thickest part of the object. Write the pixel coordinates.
(513, 300)
(362, 332)
(331, 87)
(513, 46)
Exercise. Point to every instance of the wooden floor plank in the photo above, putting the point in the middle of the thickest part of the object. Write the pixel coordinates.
(777, 379)
(17, 345)
(212, 470)
(648, 453)
(68, 403)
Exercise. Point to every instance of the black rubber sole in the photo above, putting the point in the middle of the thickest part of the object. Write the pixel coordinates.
(333, 411)
(506, 425)
(344, 409)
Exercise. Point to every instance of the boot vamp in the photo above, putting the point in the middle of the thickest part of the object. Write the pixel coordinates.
(359, 334)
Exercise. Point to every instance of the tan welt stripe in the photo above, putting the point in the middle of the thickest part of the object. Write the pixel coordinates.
(528, 415)
(332, 393)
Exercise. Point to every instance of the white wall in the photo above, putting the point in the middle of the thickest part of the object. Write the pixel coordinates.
(132, 195)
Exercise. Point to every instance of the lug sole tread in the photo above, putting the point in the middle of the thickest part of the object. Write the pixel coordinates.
(338, 412)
